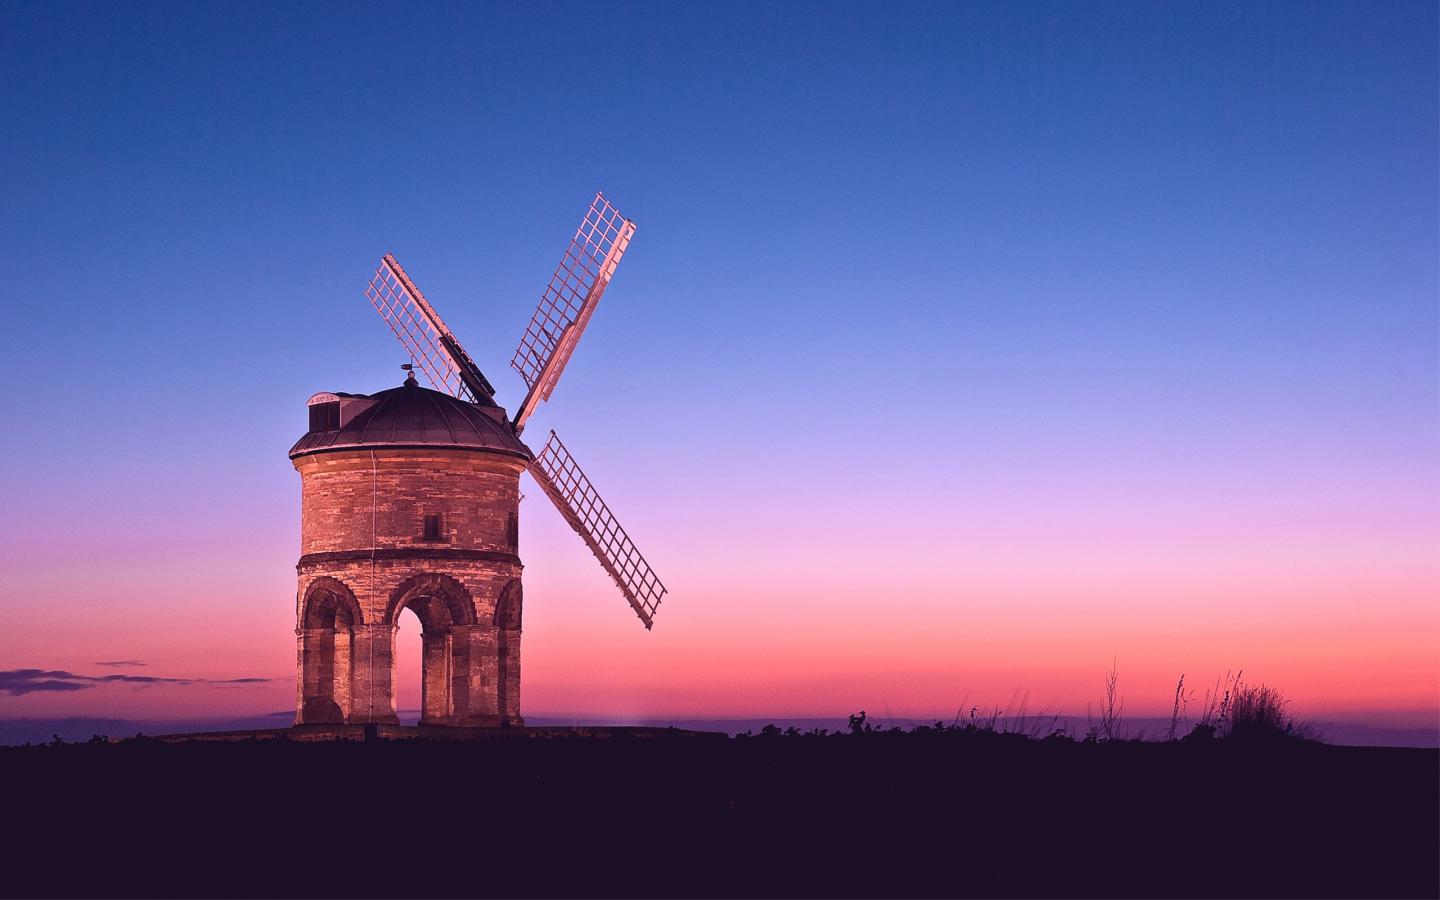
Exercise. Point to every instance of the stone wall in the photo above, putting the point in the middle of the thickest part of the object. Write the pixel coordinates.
(358, 499)
(365, 558)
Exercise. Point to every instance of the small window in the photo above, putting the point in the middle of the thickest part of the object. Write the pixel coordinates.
(325, 417)
(432, 528)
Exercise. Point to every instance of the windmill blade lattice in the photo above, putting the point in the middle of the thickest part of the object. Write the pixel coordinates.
(563, 481)
(569, 301)
(423, 333)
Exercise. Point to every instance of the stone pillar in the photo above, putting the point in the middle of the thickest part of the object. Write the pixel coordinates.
(462, 637)
(372, 668)
(299, 676)
(319, 663)
(341, 686)
(480, 675)
(434, 678)
(508, 659)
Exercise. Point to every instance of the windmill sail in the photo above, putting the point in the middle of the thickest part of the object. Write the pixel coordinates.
(420, 329)
(569, 300)
(571, 492)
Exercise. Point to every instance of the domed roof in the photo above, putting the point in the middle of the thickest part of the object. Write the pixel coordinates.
(408, 416)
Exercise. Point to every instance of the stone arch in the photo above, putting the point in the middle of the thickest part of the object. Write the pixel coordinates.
(507, 606)
(438, 600)
(329, 618)
(329, 603)
(446, 612)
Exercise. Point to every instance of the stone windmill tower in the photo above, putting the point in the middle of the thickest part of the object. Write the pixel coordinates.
(410, 499)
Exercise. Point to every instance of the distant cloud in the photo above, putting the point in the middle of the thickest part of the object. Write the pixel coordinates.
(121, 662)
(29, 681)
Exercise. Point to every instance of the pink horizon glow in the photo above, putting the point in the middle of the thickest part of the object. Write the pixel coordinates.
(817, 624)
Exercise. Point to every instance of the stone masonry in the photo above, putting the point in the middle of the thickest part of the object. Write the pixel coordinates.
(389, 523)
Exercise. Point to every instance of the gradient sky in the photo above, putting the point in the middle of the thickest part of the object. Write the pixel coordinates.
(962, 350)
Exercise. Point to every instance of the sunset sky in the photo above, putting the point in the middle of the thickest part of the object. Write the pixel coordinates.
(963, 349)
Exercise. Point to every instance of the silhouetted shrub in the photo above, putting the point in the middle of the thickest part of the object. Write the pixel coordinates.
(1243, 712)
(1259, 713)
(1203, 731)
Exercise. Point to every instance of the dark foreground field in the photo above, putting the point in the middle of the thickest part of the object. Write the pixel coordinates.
(881, 814)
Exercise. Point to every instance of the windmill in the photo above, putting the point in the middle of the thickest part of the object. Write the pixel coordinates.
(565, 308)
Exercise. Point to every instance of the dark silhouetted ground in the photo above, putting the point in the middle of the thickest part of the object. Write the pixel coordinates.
(619, 813)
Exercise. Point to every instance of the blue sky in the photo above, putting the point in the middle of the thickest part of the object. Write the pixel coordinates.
(1043, 261)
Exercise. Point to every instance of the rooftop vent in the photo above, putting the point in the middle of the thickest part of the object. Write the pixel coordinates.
(332, 411)
(325, 416)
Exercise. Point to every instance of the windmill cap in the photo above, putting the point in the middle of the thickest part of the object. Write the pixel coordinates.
(408, 416)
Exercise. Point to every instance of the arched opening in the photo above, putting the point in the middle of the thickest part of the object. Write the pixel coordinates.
(434, 617)
(329, 619)
(409, 659)
(440, 605)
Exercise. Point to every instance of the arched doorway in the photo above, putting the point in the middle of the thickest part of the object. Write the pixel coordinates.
(446, 613)
(328, 622)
